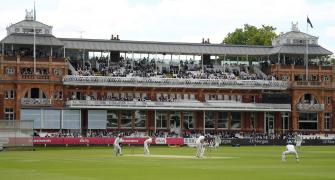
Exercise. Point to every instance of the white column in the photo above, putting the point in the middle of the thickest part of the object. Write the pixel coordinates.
(61, 119)
(202, 63)
(155, 121)
(83, 58)
(204, 122)
(109, 59)
(64, 52)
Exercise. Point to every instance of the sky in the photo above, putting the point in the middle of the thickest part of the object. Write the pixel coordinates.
(172, 20)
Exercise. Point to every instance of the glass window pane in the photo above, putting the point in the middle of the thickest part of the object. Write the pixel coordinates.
(235, 120)
(209, 119)
(188, 120)
(140, 118)
(125, 119)
(222, 119)
(112, 119)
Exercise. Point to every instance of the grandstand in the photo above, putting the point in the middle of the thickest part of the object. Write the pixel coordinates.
(100, 87)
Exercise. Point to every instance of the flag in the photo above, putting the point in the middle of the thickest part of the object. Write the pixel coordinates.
(309, 22)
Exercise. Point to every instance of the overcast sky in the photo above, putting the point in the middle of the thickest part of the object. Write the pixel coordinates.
(172, 20)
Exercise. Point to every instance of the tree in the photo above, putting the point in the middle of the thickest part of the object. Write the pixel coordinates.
(251, 35)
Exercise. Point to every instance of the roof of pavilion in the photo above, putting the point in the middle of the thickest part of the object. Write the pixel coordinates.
(28, 39)
(163, 47)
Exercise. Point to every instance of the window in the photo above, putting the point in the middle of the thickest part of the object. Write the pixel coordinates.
(175, 121)
(161, 118)
(206, 97)
(28, 30)
(17, 30)
(58, 72)
(325, 78)
(140, 119)
(9, 94)
(285, 120)
(192, 97)
(222, 120)
(253, 120)
(9, 70)
(35, 93)
(327, 119)
(308, 121)
(253, 99)
(9, 114)
(284, 78)
(112, 119)
(188, 120)
(235, 120)
(328, 100)
(58, 95)
(125, 119)
(209, 119)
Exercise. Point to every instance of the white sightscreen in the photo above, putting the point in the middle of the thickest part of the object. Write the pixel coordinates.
(71, 119)
(51, 119)
(97, 119)
(32, 114)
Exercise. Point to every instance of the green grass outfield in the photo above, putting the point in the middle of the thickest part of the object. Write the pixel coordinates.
(229, 163)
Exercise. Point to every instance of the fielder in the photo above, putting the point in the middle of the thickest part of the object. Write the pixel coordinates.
(217, 141)
(298, 141)
(117, 147)
(290, 150)
(147, 142)
(200, 146)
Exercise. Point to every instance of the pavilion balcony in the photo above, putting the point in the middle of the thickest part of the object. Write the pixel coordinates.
(35, 102)
(312, 84)
(173, 82)
(310, 107)
(178, 105)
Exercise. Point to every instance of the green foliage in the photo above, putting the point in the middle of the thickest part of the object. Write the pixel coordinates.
(251, 35)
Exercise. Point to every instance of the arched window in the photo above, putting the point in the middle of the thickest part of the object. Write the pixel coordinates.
(35, 93)
(308, 99)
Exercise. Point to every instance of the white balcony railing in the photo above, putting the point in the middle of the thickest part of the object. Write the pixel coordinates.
(177, 105)
(35, 102)
(173, 82)
(310, 107)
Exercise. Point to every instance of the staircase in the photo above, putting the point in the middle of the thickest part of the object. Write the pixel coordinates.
(72, 69)
(259, 72)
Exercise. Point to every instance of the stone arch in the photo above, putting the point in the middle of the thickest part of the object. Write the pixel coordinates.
(308, 98)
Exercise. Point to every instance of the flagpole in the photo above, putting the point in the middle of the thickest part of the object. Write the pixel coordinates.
(306, 56)
(34, 19)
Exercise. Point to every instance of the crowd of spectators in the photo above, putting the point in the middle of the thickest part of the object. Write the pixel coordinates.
(226, 134)
(152, 68)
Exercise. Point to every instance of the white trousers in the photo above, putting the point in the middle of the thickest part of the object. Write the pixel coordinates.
(289, 152)
(200, 150)
(117, 149)
(146, 149)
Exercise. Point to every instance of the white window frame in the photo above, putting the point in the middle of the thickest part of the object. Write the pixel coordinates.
(10, 94)
(9, 113)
